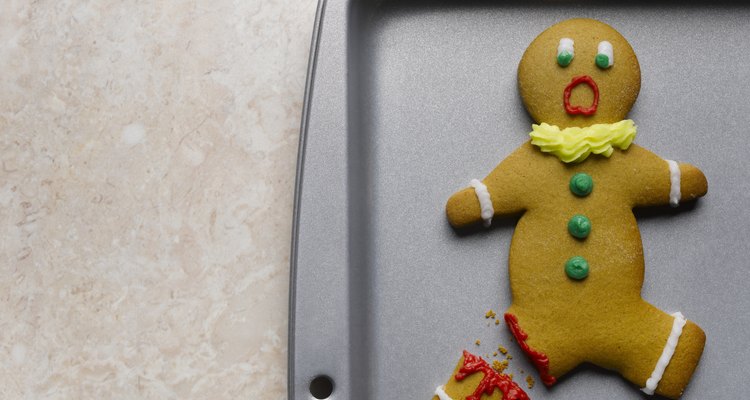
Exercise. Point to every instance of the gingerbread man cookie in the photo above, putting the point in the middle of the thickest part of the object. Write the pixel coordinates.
(576, 260)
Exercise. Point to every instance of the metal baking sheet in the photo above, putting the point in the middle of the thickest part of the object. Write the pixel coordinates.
(409, 100)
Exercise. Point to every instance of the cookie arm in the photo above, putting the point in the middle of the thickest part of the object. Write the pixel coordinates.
(497, 194)
(693, 183)
(659, 181)
(463, 208)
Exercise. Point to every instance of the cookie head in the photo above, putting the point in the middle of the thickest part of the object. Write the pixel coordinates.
(579, 72)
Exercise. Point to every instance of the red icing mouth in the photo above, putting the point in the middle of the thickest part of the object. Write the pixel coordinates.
(579, 80)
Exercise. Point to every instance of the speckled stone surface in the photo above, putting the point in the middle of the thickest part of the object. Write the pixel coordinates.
(148, 158)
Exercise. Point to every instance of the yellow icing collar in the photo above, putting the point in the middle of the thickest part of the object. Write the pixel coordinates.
(575, 144)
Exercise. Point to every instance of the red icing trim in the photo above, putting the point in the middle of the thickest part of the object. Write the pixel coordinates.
(578, 80)
(491, 380)
(539, 359)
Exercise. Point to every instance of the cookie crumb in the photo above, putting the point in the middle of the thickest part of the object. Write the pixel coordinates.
(510, 376)
(502, 349)
(509, 357)
(478, 342)
(497, 322)
(530, 381)
(494, 354)
(490, 314)
(499, 366)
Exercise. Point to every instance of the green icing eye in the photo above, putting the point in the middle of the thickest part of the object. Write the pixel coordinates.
(604, 55)
(565, 52)
(602, 61)
(564, 59)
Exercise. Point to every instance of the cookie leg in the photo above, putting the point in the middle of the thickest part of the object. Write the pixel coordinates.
(551, 354)
(474, 378)
(655, 350)
(685, 359)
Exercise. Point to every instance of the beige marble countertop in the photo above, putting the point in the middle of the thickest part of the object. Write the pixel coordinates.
(148, 160)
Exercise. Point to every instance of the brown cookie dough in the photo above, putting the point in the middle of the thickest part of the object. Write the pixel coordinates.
(576, 262)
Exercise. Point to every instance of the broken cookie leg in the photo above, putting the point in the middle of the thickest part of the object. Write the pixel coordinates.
(474, 378)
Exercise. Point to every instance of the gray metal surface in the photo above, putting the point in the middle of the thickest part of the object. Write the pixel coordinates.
(409, 100)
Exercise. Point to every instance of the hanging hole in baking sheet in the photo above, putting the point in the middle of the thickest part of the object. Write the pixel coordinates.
(321, 387)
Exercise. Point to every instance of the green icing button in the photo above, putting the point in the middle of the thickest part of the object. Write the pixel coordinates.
(579, 226)
(577, 268)
(581, 184)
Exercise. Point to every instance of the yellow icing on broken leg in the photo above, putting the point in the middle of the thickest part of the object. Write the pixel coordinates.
(574, 144)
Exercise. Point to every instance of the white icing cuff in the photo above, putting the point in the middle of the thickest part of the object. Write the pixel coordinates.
(674, 180)
(666, 354)
(485, 202)
(440, 393)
